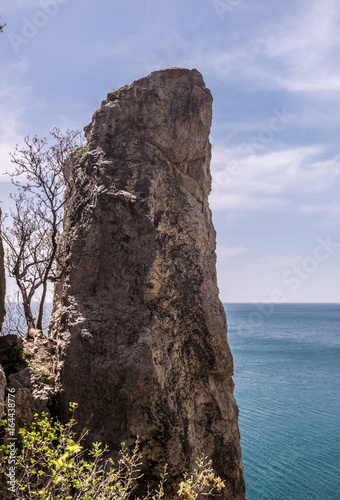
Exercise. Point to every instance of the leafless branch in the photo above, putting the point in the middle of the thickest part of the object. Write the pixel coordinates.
(33, 237)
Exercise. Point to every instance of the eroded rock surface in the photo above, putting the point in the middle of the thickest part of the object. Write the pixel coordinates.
(142, 335)
(27, 365)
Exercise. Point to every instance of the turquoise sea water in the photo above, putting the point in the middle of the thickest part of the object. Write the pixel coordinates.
(287, 387)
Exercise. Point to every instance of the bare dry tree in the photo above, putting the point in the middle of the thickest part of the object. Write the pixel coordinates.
(32, 238)
(15, 321)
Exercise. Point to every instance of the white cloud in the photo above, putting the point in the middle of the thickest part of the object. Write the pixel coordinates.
(15, 97)
(307, 45)
(225, 252)
(295, 179)
(276, 262)
(298, 53)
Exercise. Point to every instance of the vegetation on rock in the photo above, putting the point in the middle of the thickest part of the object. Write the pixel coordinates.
(52, 465)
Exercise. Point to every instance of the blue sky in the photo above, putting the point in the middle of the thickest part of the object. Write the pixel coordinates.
(274, 72)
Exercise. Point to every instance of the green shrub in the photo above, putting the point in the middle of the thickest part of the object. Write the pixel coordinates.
(202, 482)
(51, 464)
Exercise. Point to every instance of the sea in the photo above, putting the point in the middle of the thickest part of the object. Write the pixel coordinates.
(287, 387)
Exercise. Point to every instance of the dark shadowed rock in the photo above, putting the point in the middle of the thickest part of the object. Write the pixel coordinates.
(142, 334)
(27, 365)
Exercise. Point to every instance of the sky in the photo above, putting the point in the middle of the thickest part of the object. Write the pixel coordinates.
(274, 72)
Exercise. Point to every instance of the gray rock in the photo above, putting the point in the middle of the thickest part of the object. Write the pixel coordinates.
(28, 367)
(11, 347)
(141, 332)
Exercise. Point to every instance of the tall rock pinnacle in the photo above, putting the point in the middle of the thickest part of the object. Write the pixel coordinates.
(142, 334)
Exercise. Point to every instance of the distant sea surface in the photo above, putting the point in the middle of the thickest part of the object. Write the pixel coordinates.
(287, 387)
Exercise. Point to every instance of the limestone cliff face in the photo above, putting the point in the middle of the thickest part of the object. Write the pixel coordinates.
(142, 335)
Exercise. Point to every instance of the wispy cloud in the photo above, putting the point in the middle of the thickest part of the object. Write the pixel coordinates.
(15, 97)
(299, 52)
(277, 262)
(226, 252)
(307, 45)
(297, 179)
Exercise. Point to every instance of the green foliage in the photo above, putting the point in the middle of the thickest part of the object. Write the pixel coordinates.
(39, 374)
(82, 152)
(202, 482)
(51, 464)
